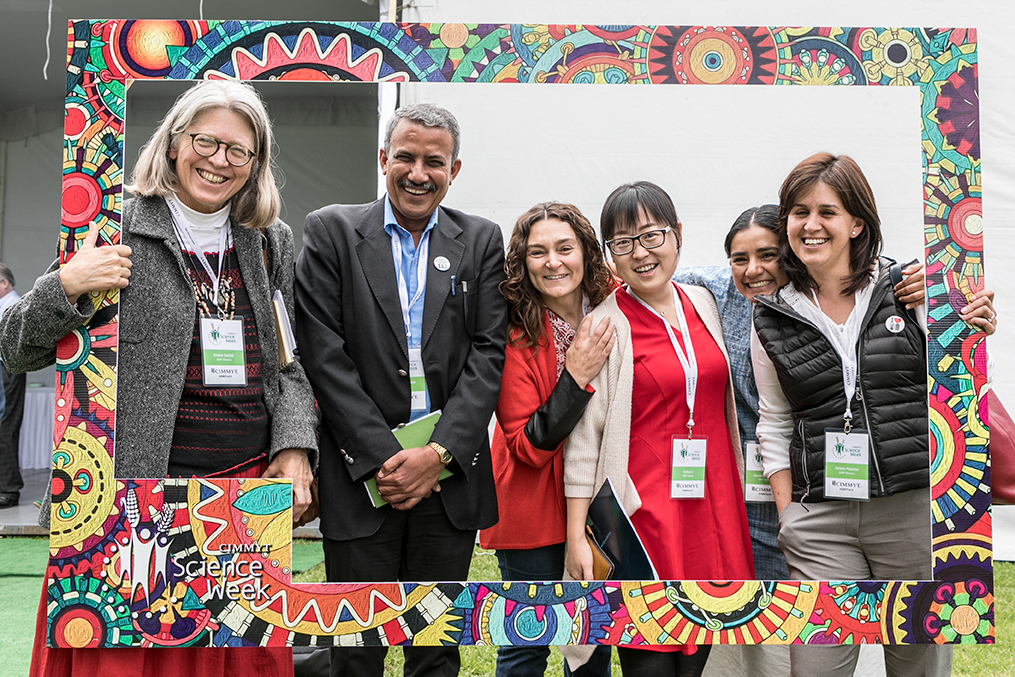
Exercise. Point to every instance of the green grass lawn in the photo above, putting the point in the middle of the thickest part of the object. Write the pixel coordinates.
(23, 559)
(997, 660)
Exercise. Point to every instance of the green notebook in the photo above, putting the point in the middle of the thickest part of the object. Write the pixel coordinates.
(415, 434)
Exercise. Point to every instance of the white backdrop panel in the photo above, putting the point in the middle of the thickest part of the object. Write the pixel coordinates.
(716, 150)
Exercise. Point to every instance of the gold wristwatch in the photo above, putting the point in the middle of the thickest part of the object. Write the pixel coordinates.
(442, 452)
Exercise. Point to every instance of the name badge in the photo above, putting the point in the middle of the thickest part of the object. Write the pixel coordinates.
(756, 486)
(417, 380)
(222, 358)
(847, 457)
(687, 471)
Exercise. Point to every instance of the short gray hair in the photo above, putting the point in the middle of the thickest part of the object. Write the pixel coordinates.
(428, 115)
(6, 274)
(257, 203)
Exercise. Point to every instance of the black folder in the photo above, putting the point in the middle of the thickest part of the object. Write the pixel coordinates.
(616, 536)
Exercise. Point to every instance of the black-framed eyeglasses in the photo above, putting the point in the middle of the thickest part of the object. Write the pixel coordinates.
(207, 145)
(650, 239)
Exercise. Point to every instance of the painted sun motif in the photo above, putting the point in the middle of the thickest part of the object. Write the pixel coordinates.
(308, 59)
(896, 56)
(83, 489)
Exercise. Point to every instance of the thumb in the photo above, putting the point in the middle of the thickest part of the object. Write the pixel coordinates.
(90, 237)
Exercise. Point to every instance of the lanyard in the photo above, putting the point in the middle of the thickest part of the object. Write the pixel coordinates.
(183, 233)
(846, 357)
(687, 359)
(422, 254)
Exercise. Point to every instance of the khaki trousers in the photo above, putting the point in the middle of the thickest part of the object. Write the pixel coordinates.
(881, 539)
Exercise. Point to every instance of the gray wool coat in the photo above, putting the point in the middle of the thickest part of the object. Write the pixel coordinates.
(157, 310)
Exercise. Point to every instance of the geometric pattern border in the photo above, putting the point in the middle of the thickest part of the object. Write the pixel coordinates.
(163, 563)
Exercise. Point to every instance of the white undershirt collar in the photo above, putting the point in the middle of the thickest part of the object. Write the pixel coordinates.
(206, 228)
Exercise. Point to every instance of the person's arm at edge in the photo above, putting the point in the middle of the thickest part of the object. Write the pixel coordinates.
(578, 557)
(31, 328)
(555, 418)
(782, 488)
(295, 406)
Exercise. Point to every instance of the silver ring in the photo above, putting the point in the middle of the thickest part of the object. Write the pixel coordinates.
(991, 318)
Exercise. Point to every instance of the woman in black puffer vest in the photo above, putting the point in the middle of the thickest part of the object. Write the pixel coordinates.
(836, 351)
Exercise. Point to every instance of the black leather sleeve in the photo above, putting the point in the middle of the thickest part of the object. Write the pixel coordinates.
(556, 418)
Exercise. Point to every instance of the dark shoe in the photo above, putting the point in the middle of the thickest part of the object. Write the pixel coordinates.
(8, 501)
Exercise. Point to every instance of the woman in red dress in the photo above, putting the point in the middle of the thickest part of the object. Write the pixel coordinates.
(654, 428)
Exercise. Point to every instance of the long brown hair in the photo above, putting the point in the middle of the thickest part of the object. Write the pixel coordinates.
(843, 175)
(525, 304)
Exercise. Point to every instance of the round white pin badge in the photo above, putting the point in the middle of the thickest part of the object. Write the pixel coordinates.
(441, 263)
(895, 324)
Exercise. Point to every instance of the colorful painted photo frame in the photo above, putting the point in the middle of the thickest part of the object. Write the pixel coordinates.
(207, 562)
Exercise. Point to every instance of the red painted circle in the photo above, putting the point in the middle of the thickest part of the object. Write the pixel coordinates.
(967, 211)
(74, 121)
(303, 74)
(68, 350)
(83, 480)
(720, 589)
(82, 199)
(58, 486)
(78, 629)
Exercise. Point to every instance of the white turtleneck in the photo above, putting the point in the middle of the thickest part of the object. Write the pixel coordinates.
(206, 228)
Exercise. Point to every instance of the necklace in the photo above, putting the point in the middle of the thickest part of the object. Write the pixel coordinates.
(673, 300)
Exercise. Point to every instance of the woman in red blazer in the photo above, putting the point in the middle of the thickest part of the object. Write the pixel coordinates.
(555, 274)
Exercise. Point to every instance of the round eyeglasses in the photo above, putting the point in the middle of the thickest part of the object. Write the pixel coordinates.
(650, 239)
(206, 146)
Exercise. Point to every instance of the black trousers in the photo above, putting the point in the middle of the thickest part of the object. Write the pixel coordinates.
(10, 432)
(419, 544)
(641, 663)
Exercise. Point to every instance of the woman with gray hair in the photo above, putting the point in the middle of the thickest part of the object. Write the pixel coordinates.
(202, 251)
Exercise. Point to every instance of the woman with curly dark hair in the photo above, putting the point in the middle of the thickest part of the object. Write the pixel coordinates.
(555, 275)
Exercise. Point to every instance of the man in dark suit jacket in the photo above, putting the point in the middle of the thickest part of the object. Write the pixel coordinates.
(399, 313)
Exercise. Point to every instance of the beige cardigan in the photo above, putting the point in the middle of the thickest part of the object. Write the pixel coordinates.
(598, 446)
